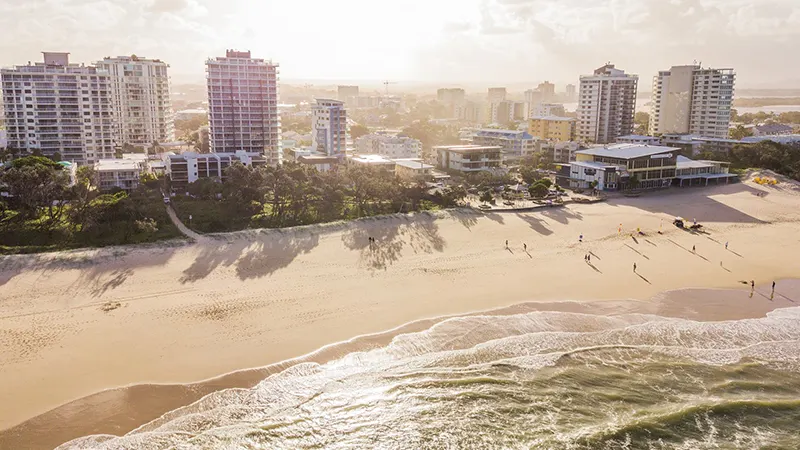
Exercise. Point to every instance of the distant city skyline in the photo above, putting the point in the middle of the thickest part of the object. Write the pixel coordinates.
(444, 41)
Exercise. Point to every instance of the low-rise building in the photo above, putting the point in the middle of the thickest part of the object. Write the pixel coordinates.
(548, 109)
(118, 173)
(389, 144)
(561, 151)
(411, 170)
(189, 167)
(620, 167)
(515, 145)
(690, 172)
(373, 161)
(639, 139)
(468, 158)
(692, 144)
(552, 128)
(771, 129)
(320, 162)
(780, 139)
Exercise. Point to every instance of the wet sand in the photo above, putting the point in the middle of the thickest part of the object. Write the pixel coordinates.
(73, 325)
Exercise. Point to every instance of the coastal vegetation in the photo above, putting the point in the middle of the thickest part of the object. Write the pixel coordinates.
(293, 194)
(781, 158)
(41, 211)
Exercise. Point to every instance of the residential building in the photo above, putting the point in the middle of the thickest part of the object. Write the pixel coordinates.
(187, 114)
(329, 127)
(515, 145)
(518, 111)
(243, 105)
(552, 128)
(606, 105)
(469, 112)
(690, 99)
(571, 92)
(771, 129)
(548, 91)
(321, 163)
(549, 109)
(189, 167)
(3, 138)
(562, 152)
(450, 96)
(468, 158)
(412, 170)
(347, 94)
(691, 144)
(378, 161)
(389, 144)
(496, 95)
(122, 173)
(59, 108)
(780, 139)
(501, 112)
(620, 166)
(533, 98)
(140, 98)
(639, 139)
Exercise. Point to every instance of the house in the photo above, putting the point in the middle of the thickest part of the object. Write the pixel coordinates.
(468, 158)
(410, 170)
(118, 173)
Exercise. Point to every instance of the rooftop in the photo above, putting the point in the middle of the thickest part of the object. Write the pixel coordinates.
(638, 137)
(686, 163)
(417, 165)
(554, 118)
(592, 164)
(371, 159)
(116, 164)
(469, 148)
(627, 151)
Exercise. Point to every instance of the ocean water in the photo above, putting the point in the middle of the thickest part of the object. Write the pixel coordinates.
(549, 380)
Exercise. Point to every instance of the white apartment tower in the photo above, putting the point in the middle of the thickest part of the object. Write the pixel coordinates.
(140, 97)
(690, 99)
(58, 107)
(606, 105)
(243, 105)
(329, 127)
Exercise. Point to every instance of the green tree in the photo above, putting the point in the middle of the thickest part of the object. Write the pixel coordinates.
(486, 196)
(358, 130)
(633, 181)
(538, 190)
(642, 121)
(740, 132)
(38, 187)
(205, 188)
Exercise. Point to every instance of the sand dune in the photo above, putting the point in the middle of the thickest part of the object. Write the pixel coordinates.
(77, 323)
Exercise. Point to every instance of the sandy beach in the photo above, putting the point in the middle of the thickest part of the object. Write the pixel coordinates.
(80, 323)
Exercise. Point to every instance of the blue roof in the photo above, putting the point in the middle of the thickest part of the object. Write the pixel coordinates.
(627, 151)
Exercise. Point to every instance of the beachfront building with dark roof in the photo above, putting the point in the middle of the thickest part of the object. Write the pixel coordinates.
(620, 167)
(468, 158)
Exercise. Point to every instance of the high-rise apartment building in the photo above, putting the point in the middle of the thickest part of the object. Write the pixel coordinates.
(570, 92)
(329, 127)
(243, 105)
(347, 94)
(496, 95)
(690, 99)
(58, 107)
(140, 98)
(450, 96)
(548, 91)
(606, 105)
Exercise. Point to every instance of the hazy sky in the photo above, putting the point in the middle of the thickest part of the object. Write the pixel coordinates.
(422, 40)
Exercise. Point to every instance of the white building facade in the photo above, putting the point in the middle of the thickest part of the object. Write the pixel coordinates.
(690, 99)
(390, 145)
(243, 105)
(606, 105)
(140, 98)
(58, 107)
(515, 145)
(329, 127)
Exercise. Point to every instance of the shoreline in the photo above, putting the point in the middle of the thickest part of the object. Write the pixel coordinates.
(74, 325)
(124, 409)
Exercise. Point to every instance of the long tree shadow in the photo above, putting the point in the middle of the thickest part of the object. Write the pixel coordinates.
(466, 217)
(562, 215)
(101, 270)
(392, 235)
(253, 254)
(537, 224)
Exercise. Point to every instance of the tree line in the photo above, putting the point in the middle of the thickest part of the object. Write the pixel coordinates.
(43, 209)
(293, 194)
(781, 158)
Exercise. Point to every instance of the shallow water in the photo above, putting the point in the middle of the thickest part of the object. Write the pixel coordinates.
(534, 380)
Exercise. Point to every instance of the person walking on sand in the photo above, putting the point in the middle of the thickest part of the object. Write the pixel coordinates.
(525, 246)
(773, 286)
(752, 284)
(634, 267)
(694, 249)
(589, 258)
(506, 243)
(726, 245)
